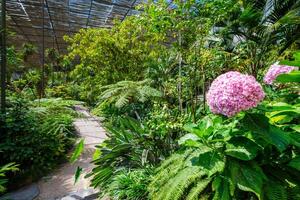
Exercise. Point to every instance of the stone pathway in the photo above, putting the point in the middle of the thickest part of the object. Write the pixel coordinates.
(60, 184)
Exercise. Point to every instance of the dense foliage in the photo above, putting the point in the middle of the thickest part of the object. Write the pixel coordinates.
(198, 41)
(37, 136)
(161, 82)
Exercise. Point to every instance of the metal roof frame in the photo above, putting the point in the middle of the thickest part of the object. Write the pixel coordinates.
(64, 17)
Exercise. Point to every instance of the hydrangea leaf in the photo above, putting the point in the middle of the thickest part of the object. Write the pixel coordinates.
(211, 161)
(192, 128)
(242, 148)
(189, 140)
(248, 177)
(293, 76)
(296, 128)
(281, 119)
(260, 126)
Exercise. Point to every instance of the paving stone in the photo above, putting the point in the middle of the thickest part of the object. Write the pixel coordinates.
(88, 194)
(26, 193)
(61, 185)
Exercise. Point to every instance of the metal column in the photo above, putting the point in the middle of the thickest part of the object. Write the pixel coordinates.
(3, 56)
(43, 52)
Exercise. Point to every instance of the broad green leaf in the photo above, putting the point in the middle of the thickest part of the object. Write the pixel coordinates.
(241, 148)
(280, 108)
(260, 126)
(204, 128)
(281, 119)
(188, 139)
(296, 128)
(192, 128)
(295, 61)
(293, 76)
(77, 174)
(248, 177)
(295, 136)
(295, 163)
(211, 161)
(77, 152)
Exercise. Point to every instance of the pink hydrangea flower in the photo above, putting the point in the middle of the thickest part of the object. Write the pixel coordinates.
(233, 92)
(276, 70)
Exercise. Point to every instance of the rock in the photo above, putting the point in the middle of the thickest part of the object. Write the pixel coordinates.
(88, 194)
(26, 193)
(68, 198)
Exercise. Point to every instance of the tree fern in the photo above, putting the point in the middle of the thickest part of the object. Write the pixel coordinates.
(125, 92)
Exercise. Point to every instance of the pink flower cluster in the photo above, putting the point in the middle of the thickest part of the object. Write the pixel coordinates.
(276, 70)
(233, 92)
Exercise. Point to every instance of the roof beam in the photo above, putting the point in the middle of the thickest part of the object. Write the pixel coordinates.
(20, 28)
(52, 25)
(129, 10)
(56, 20)
(46, 28)
(53, 7)
(89, 15)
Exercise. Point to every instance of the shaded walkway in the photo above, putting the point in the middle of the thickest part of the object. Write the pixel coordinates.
(60, 183)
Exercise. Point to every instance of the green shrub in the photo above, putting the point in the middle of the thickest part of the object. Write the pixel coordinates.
(66, 91)
(131, 145)
(36, 138)
(244, 157)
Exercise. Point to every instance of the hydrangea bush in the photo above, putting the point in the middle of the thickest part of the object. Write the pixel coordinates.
(233, 92)
(276, 70)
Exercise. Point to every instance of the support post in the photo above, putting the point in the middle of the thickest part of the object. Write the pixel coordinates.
(43, 52)
(3, 67)
(3, 57)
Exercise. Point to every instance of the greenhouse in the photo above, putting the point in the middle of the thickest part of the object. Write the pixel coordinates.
(150, 100)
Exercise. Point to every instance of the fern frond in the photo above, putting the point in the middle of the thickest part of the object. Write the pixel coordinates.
(294, 193)
(195, 191)
(177, 176)
(169, 169)
(177, 186)
(122, 91)
(122, 100)
(276, 191)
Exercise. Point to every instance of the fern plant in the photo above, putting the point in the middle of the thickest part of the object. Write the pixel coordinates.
(130, 185)
(130, 145)
(126, 92)
(10, 167)
(244, 157)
